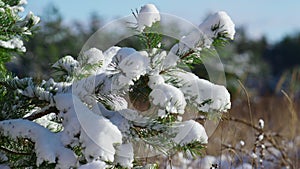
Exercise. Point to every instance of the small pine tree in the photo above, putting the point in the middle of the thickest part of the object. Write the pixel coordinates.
(99, 109)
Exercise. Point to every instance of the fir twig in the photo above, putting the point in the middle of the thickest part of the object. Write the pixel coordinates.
(13, 152)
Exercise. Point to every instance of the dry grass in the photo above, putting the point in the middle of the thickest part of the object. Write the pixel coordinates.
(280, 114)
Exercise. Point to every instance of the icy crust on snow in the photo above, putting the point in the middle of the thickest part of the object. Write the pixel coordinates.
(208, 97)
(221, 19)
(48, 146)
(97, 134)
(147, 15)
(165, 96)
(189, 131)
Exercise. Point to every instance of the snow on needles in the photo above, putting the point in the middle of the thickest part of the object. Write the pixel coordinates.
(147, 16)
(124, 155)
(48, 146)
(93, 101)
(14, 43)
(166, 96)
(78, 119)
(189, 131)
(91, 56)
(131, 65)
(208, 97)
(223, 24)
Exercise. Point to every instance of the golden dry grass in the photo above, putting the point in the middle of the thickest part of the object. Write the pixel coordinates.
(281, 116)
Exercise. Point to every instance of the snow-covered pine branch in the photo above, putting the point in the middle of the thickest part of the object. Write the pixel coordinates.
(14, 28)
(48, 146)
(95, 110)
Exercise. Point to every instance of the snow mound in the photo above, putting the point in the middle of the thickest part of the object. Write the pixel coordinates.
(221, 19)
(189, 131)
(147, 15)
(78, 119)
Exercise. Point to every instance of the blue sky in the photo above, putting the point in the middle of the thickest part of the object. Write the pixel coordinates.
(272, 18)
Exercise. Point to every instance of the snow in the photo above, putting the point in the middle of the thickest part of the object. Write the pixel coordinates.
(134, 65)
(189, 131)
(3, 157)
(123, 119)
(94, 56)
(260, 137)
(4, 166)
(223, 20)
(109, 54)
(85, 88)
(198, 91)
(48, 146)
(104, 133)
(78, 119)
(114, 117)
(244, 166)
(67, 63)
(38, 92)
(155, 80)
(124, 155)
(130, 65)
(91, 56)
(242, 143)
(22, 2)
(96, 164)
(121, 54)
(47, 122)
(14, 43)
(157, 61)
(207, 162)
(30, 16)
(165, 96)
(261, 123)
(172, 58)
(115, 102)
(195, 40)
(147, 15)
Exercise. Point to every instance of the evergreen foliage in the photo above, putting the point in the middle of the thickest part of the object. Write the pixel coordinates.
(83, 117)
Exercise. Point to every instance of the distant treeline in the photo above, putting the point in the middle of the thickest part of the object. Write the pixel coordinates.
(55, 39)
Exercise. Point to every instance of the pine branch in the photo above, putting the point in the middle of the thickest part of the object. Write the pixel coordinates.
(187, 54)
(41, 114)
(13, 152)
(2, 83)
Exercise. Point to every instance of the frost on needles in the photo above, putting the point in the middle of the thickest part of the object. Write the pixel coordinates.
(90, 100)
